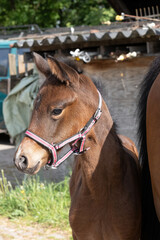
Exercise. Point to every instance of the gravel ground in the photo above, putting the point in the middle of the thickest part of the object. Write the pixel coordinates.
(20, 230)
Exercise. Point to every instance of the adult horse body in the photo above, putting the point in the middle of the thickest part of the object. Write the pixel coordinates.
(149, 139)
(104, 186)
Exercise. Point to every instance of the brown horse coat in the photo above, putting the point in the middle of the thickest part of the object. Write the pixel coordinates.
(149, 138)
(153, 140)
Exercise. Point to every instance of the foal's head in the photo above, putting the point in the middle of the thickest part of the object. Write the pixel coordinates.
(65, 102)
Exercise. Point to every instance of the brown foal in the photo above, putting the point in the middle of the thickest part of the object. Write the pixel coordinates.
(104, 186)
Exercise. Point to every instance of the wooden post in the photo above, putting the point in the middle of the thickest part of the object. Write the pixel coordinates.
(140, 10)
(8, 85)
(12, 64)
(102, 50)
(149, 11)
(144, 9)
(21, 65)
(157, 8)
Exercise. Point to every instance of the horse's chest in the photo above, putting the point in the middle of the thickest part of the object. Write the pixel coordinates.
(81, 206)
(85, 217)
(88, 218)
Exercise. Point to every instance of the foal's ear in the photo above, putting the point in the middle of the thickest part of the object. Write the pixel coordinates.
(64, 73)
(42, 65)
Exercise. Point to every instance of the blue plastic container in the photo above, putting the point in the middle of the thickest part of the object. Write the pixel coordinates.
(2, 97)
(5, 49)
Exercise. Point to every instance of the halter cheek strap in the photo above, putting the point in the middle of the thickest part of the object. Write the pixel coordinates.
(54, 162)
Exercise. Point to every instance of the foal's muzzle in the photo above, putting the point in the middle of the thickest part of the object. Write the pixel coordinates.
(21, 163)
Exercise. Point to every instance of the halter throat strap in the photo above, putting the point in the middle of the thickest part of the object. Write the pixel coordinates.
(54, 162)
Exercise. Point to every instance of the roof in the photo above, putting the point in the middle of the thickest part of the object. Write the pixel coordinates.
(81, 37)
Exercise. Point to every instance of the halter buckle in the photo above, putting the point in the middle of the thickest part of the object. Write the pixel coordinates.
(47, 167)
(53, 167)
(97, 114)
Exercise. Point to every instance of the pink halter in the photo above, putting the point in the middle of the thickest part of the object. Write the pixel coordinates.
(81, 136)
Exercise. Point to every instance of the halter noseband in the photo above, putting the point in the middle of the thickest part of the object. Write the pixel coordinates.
(81, 135)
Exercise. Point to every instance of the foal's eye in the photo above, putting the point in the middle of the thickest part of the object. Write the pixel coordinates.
(57, 111)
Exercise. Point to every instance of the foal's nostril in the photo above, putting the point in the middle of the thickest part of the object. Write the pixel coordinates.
(23, 162)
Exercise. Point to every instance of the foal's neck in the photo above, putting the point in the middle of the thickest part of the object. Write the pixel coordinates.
(102, 163)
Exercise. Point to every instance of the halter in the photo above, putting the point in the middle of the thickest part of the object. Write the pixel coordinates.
(54, 162)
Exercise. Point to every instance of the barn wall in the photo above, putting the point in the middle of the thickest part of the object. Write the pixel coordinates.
(121, 86)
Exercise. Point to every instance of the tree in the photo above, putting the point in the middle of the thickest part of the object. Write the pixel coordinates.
(52, 13)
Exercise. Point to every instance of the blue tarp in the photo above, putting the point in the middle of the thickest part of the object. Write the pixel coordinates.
(2, 97)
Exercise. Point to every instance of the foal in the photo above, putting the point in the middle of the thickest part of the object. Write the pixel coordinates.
(104, 186)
